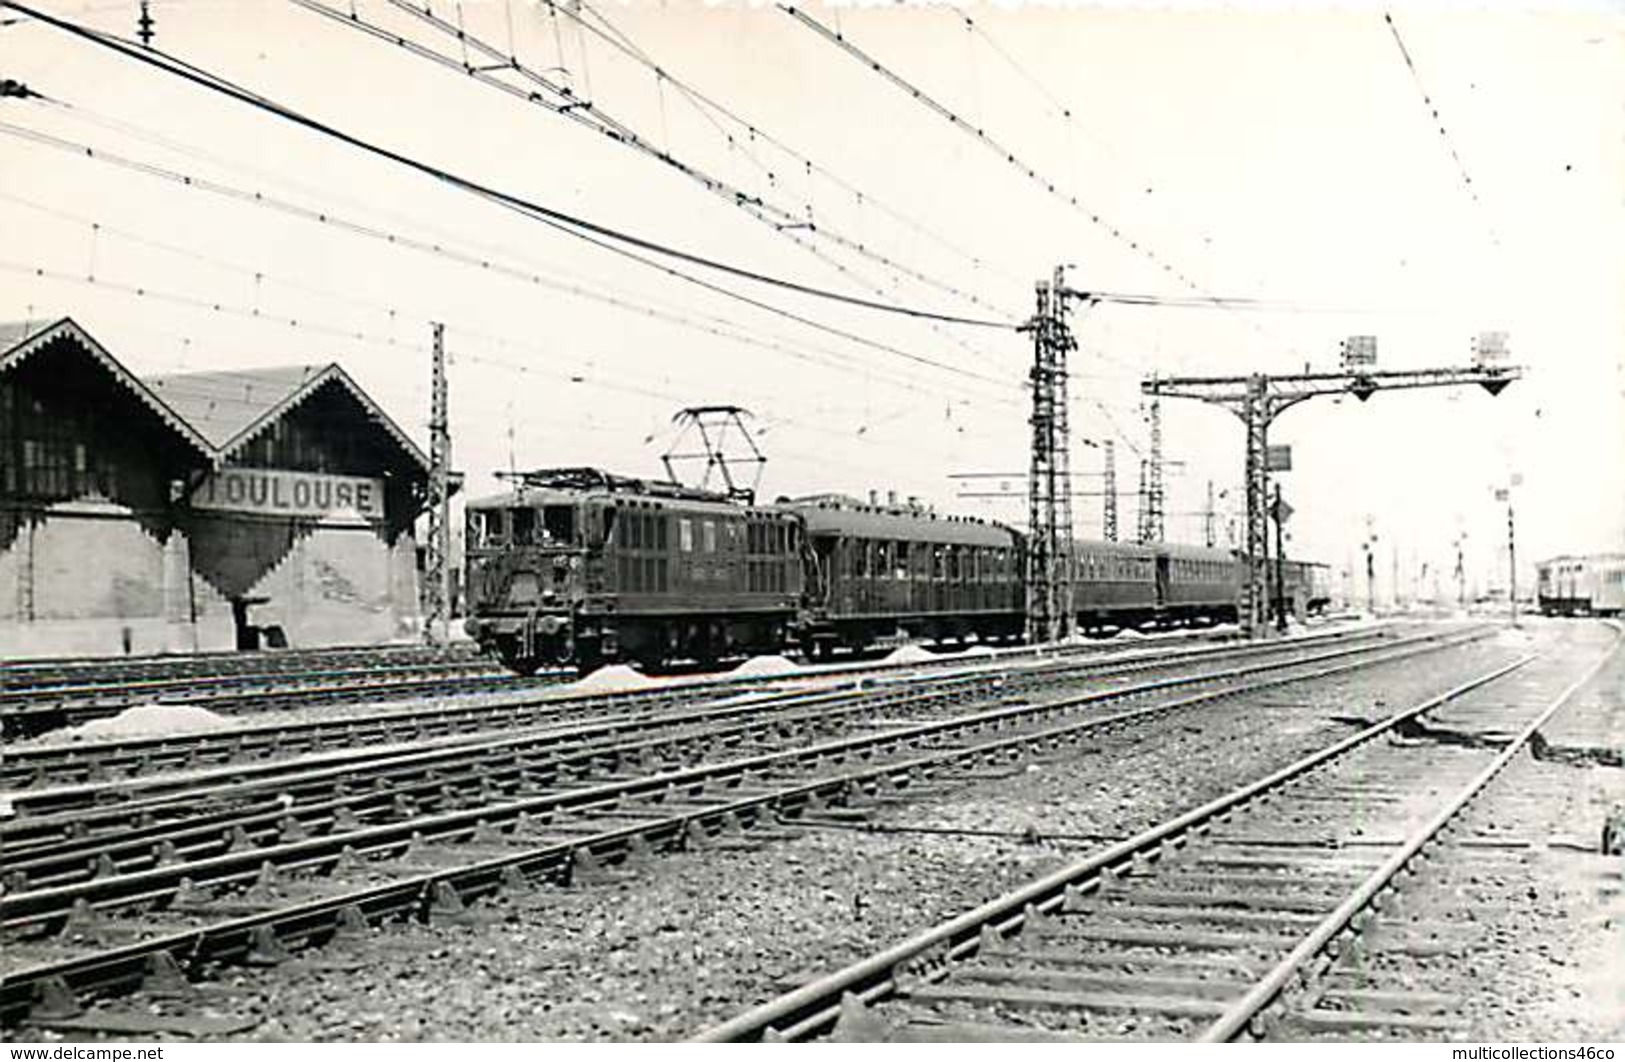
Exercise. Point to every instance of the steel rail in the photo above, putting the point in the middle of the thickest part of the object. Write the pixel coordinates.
(1367, 898)
(318, 919)
(965, 683)
(815, 1007)
(21, 674)
(205, 685)
(30, 720)
(98, 855)
(143, 754)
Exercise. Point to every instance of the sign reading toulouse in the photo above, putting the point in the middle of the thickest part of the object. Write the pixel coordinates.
(280, 493)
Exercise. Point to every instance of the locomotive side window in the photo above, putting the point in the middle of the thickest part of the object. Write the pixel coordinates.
(476, 529)
(685, 535)
(708, 535)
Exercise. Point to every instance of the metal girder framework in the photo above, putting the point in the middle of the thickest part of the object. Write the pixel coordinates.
(437, 545)
(1049, 484)
(1154, 497)
(712, 424)
(1259, 398)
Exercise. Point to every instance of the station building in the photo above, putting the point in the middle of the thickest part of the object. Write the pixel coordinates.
(198, 511)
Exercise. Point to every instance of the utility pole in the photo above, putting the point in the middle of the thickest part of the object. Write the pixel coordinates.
(1108, 486)
(1505, 494)
(1049, 485)
(1259, 398)
(437, 548)
(1142, 505)
(1279, 512)
(1370, 547)
(143, 25)
(1154, 498)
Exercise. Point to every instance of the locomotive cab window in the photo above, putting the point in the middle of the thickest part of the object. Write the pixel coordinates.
(559, 523)
(524, 527)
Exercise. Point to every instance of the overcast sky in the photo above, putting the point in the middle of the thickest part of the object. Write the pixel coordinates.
(1284, 154)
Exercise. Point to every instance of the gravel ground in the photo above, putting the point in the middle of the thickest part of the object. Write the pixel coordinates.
(694, 938)
(1546, 920)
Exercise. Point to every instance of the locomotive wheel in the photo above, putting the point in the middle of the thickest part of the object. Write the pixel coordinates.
(523, 666)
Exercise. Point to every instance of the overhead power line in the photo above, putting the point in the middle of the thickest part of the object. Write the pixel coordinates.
(304, 323)
(786, 221)
(578, 226)
(484, 263)
(718, 327)
(976, 131)
(710, 108)
(1437, 122)
(550, 94)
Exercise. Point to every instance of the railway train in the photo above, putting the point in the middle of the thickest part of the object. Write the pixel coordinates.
(581, 566)
(1581, 586)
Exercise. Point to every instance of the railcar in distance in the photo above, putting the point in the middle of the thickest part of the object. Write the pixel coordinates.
(579, 566)
(1581, 586)
(1197, 585)
(876, 571)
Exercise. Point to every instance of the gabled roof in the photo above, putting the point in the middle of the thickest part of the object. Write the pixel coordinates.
(231, 408)
(21, 340)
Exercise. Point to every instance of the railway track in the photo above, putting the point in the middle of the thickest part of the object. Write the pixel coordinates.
(22, 675)
(37, 699)
(66, 825)
(40, 766)
(1250, 916)
(38, 710)
(251, 901)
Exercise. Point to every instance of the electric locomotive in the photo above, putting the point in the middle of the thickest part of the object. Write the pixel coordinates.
(576, 565)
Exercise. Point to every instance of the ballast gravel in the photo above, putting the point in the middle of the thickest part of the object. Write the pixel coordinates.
(692, 939)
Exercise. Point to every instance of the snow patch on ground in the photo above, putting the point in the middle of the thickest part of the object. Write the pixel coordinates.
(611, 677)
(148, 720)
(766, 665)
(909, 654)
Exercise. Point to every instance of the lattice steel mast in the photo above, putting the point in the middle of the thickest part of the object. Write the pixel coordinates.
(1154, 499)
(437, 546)
(1259, 398)
(1108, 487)
(1049, 482)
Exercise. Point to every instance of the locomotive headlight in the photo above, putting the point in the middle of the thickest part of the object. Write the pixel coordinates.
(575, 564)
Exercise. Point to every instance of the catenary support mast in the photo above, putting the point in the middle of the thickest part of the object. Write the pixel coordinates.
(437, 545)
(1259, 398)
(1049, 482)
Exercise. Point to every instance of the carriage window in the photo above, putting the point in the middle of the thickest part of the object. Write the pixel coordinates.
(708, 535)
(685, 535)
(524, 527)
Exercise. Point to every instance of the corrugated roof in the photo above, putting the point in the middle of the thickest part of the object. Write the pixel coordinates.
(21, 340)
(222, 405)
(231, 408)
